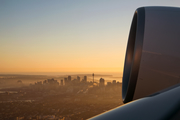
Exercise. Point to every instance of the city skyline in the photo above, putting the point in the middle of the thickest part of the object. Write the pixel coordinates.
(66, 36)
(65, 97)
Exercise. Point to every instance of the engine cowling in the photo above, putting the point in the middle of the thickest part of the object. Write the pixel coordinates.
(152, 61)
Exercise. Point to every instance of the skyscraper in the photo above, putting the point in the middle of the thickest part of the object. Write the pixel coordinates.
(61, 82)
(93, 77)
(78, 78)
(101, 82)
(69, 78)
(114, 82)
(85, 78)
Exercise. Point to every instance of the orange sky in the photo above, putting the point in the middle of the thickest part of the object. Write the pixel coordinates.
(90, 70)
(62, 36)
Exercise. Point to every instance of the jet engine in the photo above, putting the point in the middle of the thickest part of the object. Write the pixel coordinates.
(152, 61)
(151, 74)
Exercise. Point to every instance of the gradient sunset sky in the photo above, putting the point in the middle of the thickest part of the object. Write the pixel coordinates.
(67, 35)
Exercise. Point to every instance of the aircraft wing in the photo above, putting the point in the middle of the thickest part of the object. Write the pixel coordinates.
(160, 106)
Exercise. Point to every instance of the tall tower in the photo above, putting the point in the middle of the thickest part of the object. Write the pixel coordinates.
(61, 82)
(78, 78)
(69, 78)
(85, 78)
(101, 82)
(93, 77)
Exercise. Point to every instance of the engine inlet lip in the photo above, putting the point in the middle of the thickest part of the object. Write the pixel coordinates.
(133, 55)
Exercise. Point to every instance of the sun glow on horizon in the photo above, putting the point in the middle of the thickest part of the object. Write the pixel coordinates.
(38, 36)
(91, 70)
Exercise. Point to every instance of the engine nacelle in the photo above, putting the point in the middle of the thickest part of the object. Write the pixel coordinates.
(152, 61)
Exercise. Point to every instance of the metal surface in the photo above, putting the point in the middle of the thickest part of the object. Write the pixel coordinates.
(160, 106)
(159, 55)
(133, 55)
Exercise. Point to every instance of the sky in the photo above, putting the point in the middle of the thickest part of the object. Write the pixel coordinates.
(67, 35)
